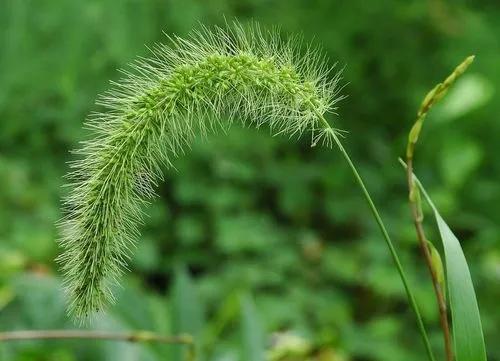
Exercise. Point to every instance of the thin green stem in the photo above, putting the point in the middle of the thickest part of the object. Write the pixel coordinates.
(134, 336)
(388, 240)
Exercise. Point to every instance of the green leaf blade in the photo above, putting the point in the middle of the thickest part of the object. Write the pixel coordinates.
(252, 331)
(188, 316)
(468, 335)
(467, 330)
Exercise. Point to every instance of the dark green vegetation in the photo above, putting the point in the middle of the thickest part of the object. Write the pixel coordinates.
(256, 234)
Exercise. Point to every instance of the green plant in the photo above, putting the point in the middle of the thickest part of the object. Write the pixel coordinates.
(194, 87)
(186, 89)
(468, 335)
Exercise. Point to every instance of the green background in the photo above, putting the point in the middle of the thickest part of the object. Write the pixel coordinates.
(257, 242)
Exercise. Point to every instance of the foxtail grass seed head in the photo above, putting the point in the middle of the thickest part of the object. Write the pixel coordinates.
(190, 87)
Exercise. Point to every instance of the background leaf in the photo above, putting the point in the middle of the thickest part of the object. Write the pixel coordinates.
(251, 330)
(187, 311)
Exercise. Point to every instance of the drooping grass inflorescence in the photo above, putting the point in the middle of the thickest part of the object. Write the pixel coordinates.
(188, 88)
(191, 87)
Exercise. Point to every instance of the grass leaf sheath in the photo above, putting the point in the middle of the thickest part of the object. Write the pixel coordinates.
(190, 87)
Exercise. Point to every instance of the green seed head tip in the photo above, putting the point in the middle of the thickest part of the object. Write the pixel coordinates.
(461, 68)
(188, 88)
(470, 59)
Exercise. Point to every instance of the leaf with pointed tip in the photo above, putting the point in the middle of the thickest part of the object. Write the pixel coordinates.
(467, 329)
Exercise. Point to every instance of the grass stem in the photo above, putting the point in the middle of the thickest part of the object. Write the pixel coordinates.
(136, 336)
(390, 245)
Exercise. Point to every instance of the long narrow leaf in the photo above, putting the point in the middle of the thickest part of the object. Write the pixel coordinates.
(187, 312)
(467, 330)
(252, 332)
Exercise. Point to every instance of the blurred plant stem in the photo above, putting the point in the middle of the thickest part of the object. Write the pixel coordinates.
(387, 239)
(134, 336)
(437, 93)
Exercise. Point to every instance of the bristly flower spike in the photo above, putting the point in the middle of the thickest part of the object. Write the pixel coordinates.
(191, 87)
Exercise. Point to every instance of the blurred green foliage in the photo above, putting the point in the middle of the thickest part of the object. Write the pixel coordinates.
(254, 235)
